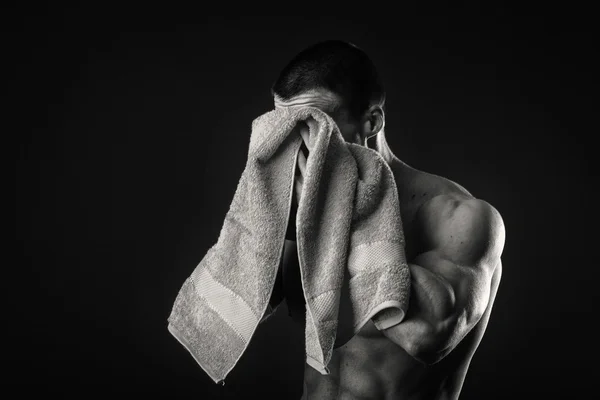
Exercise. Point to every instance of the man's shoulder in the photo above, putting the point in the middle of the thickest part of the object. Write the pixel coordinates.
(462, 224)
(419, 187)
(441, 196)
(446, 206)
(443, 206)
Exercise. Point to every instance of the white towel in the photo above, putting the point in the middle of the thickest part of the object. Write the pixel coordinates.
(348, 222)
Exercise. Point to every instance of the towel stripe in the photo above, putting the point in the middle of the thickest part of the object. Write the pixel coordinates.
(231, 307)
(375, 253)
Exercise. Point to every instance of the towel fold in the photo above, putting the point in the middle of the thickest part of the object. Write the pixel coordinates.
(348, 222)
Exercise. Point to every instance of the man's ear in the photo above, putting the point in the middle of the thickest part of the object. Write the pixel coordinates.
(373, 121)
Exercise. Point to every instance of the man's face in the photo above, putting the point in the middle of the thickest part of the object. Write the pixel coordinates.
(349, 128)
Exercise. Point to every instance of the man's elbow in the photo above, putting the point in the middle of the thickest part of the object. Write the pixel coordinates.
(427, 355)
(436, 342)
(425, 351)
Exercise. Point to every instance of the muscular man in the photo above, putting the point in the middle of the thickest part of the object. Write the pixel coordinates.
(453, 245)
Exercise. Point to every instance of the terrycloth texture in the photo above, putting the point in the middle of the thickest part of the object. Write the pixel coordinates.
(348, 219)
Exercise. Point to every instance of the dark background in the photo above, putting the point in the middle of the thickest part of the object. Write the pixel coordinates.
(132, 132)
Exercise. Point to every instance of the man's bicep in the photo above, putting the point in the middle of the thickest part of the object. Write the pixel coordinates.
(468, 245)
(470, 234)
(462, 299)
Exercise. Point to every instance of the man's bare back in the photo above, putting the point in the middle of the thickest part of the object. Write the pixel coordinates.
(370, 365)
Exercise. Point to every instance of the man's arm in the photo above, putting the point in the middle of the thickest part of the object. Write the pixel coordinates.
(463, 240)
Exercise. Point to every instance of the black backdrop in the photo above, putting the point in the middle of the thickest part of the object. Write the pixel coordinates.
(132, 132)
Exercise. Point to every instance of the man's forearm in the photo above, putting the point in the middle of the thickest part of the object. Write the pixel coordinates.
(426, 330)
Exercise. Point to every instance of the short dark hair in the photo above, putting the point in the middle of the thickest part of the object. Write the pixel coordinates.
(335, 65)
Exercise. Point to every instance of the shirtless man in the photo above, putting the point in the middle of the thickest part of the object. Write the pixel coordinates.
(453, 246)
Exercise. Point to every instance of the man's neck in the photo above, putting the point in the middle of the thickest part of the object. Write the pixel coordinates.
(397, 165)
(382, 147)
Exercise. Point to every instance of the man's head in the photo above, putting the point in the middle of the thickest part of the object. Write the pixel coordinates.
(340, 79)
